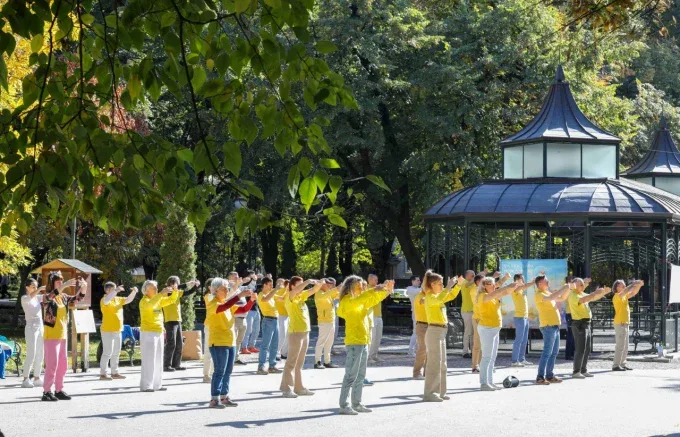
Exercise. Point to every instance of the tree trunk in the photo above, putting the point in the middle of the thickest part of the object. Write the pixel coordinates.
(401, 224)
(270, 249)
(346, 251)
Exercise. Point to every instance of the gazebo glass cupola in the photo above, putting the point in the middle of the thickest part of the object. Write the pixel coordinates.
(560, 142)
(660, 167)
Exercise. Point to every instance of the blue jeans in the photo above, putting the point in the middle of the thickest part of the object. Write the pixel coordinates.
(270, 342)
(355, 373)
(551, 346)
(253, 329)
(519, 346)
(3, 362)
(223, 360)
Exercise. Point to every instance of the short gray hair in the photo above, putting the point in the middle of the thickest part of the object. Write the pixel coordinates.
(146, 284)
(217, 283)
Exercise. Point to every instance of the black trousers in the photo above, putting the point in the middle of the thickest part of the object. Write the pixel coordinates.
(173, 344)
(581, 331)
(3, 291)
(569, 349)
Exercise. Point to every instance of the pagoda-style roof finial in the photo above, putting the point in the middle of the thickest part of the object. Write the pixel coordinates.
(559, 74)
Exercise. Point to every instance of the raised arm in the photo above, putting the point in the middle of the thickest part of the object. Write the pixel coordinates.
(501, 281)
(500, 292)
(301, 286)
(192, 287)
(269, 295)
(131, 296)
(595, 295)
(314, 289)
(560, 295)
(633, 288)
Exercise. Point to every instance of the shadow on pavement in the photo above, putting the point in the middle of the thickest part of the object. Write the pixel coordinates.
(134, 414)
(246, 424)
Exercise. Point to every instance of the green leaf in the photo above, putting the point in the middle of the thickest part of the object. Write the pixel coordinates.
(232, 157)
(241, 5)
(255, 191)
(138, 161)
(337, 220)
(329, 163)
(36, 43)
(199, 77)
(87, 19)
(186, 155)
(134, 86)
(325, 47)
(307, 192)
(305, 166)
(377, 180)
(335, 183)
(321, 95)
(3, 73)
(321, 179)
(293, 181)
(222, 63)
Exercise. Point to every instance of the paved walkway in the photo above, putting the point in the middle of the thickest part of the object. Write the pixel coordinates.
(639, 403)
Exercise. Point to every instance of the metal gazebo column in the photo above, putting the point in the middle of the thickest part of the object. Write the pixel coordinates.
(588, 247)
(466, 245)
(527, 242)
(663, 269)
(428, 243)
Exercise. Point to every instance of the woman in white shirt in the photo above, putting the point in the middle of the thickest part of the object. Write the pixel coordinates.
(31, 303)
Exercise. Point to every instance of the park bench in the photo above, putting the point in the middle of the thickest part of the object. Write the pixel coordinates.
(16, 353)
(647, 329)
(128, 345)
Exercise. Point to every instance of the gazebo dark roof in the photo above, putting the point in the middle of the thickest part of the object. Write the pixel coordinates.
(663, 159)
(603, 197)
(560, 119)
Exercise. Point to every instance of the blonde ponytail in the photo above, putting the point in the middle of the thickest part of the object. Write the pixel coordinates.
(430, 278)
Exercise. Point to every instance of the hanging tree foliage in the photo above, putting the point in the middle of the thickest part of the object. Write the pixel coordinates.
(70, 148)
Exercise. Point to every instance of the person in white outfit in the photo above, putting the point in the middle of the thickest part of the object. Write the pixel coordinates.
(377, 331)
(411, 292)
(280, 300)
(151, 334)
(112, 325)
(31, 303)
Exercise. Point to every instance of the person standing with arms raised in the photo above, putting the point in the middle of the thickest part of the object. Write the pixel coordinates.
(151, 333)
(324, 301)
(280, 299)
(298, 336)
(549, 323)
(435, 338)
(375, 316)
(581, 315)
(270, 328)
(411, 292)
(34, 331)
(521, 320)
(622, 295)
(467, 310)
(172, 314)
(354, 307)
(112, 325)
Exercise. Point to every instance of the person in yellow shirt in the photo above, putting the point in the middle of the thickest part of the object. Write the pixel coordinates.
(55, 306)
(420, 316)
(354, 307)
(324, 301)
(622, 295)
(377, 331)
(173, 324)
(549, 321)
(151, 333)
(280, 299)
(476, 342)
(298, 336)
(521, 320)
(270, 327)
(578, 302)
(437, 326)
(466, 311)
(112, 325)
(490, 320)
(208, 295)
(222, 343)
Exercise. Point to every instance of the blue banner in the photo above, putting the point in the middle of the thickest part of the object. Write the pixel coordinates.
(556, 272)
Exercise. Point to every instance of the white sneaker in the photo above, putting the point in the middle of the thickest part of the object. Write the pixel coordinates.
(348, 411)
(578, 376)
(588, 374)
(305, 392)
(289, 394)
(486, 387)
(432, 398)
(527, 363)
(361, 409)
(27, 384)
(516, 364)
(419, 378)
(378, 360)
(38, 382)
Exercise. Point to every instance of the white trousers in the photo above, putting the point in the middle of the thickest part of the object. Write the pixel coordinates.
(283, 336)
(376, 337)
(207, 358)
(111, 342)
(34, 348)
(324, 342)
(468, 333)
(414, 339)
(152, 345)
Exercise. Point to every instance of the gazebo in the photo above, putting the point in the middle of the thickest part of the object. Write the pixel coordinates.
(561, 197)
(660, 167)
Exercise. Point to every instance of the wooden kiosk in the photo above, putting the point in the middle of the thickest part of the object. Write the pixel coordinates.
(72, 268)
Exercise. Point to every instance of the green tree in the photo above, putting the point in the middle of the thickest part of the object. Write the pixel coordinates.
(178, 258)
(288, 255)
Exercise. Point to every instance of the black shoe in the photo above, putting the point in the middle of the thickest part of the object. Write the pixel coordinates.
(318, 365)
(62, 396)
(330, 365)
(49, 397)
(571, 358)
(168, 369)
(284, 357)
(625, 367)
(278, 359)
(180, 368)
(467, 355)
(239, 362)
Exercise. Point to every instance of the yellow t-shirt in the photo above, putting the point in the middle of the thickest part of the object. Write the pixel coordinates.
(325, 305)
(377, 310)
(281, 304)
(548, 313)
(435, 305)
(151, 311)
(579, 310)
(520, 300)
(268, 307)
(419, 307)
(468, 293)
(475, 305)
(621, 309)
(112, 315)
(355, 312)
(298, 313)
(173, 312)
(207, 298)
(489, 312)
(221, 325)
(60, 330)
